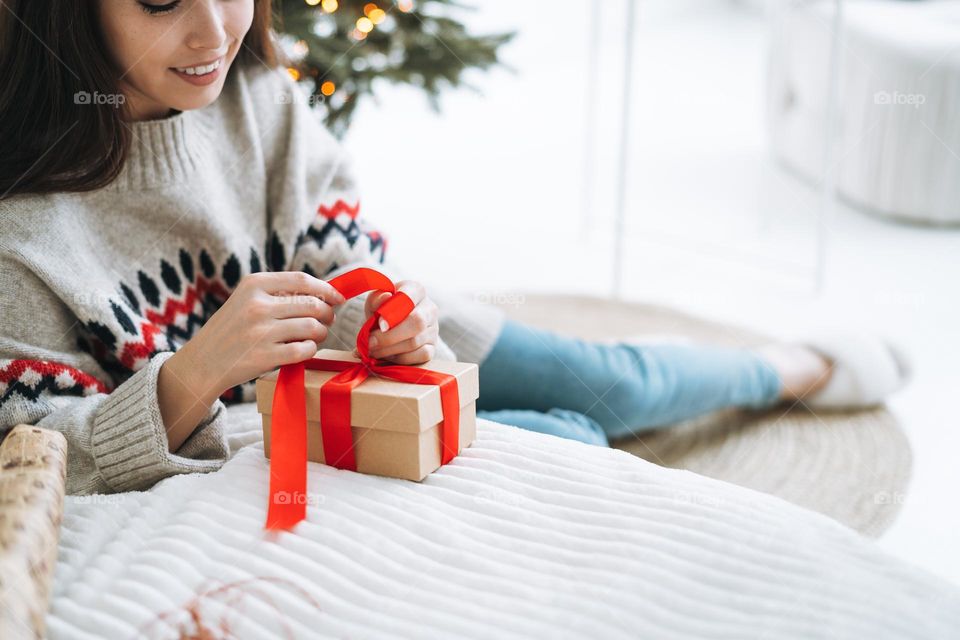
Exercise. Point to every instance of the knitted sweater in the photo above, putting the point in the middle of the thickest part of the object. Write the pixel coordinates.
(99, 289)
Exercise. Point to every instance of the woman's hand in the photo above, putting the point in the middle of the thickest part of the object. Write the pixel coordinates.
(270, 319)
(414, 340)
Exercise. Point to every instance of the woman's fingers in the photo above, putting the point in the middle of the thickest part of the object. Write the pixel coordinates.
(423, 338)
(421, 355)
(301, 306)
(279, 282)
(412, 288)
(298, 329)
(406, 342)
(420, 320)
(374, 300)
(293, 352)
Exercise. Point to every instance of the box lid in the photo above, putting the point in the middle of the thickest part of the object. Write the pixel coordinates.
(381, 403)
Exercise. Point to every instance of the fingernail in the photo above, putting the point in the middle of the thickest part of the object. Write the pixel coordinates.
(384, 326)
(372, 343)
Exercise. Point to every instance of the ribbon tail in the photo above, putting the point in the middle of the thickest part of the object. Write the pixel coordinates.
(450, 432)
(288, 450)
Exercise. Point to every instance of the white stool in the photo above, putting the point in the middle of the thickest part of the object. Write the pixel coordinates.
(897, 151)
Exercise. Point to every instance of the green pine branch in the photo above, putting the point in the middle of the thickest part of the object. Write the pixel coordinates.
(426, 48)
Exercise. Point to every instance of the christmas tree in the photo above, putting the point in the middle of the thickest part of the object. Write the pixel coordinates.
(339, 48)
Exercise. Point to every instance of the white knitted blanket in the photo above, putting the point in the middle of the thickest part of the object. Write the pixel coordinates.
(523, 535)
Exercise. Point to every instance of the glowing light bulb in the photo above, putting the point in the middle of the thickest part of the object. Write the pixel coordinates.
(329, 5)
(327, 88)
(364, 25)
(300, 48)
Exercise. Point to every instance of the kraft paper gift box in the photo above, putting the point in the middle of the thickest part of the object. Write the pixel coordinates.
(395, 425)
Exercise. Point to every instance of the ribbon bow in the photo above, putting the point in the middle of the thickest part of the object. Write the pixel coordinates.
(288, 426)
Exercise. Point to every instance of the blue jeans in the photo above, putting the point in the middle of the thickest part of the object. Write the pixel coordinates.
(573, 388)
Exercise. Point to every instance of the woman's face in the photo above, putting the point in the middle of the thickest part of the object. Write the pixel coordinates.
(165, 50)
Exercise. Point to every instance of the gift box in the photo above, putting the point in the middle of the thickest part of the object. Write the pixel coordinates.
(361, 413)
(396, 426)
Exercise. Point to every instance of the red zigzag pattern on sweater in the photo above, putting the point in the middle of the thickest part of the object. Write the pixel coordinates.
(331, 213)
(141, 350)
(157, 320)
(339, 207)
(19, 371)
(33, 373)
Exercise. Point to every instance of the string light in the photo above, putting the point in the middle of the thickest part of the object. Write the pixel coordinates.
(300, 48)
(328, 39)
(364, 24)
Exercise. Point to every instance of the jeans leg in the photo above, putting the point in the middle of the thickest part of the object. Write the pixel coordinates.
(557, 422)
(624, 388)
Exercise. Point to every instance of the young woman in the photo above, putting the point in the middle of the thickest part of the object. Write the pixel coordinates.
(171, 213)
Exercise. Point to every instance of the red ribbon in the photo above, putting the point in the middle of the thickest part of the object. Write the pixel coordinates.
(288, 422)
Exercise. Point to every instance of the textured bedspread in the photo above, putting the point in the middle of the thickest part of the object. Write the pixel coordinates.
(523, 535)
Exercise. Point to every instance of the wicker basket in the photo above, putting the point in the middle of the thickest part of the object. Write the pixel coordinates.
(33, 465)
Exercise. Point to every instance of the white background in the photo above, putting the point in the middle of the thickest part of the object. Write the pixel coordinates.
(493, 190)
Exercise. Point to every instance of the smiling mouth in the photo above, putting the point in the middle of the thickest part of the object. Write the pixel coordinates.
(201, 69)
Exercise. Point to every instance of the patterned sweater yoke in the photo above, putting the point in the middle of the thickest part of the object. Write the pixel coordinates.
(98, 289)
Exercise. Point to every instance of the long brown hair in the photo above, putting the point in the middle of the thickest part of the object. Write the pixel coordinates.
(49, 53)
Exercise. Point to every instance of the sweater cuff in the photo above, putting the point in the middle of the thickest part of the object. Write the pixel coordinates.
(129, 438)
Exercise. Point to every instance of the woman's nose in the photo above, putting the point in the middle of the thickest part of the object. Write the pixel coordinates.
(206, 25)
